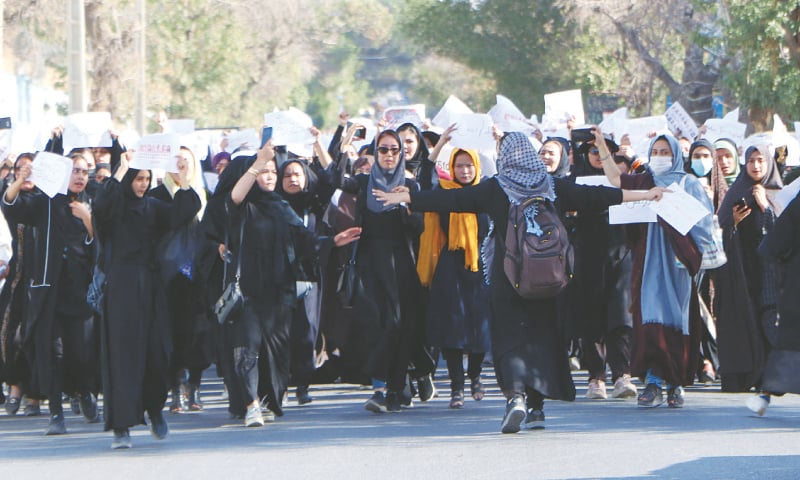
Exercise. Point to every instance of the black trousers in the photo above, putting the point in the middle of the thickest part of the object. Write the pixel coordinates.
(455, 366)
(613, 349)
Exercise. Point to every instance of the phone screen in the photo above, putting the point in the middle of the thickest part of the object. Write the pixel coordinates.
(266, 134)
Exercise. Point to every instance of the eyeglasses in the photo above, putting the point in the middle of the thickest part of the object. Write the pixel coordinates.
(385, 150)
(594, 151)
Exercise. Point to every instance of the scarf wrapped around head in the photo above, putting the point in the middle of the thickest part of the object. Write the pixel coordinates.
(382, 179)
(195, 182)
(522, 175)
(743, 186)
(463, 229)
(726, 144)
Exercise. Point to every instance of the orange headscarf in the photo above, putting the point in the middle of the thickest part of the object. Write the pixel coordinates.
(463, 229)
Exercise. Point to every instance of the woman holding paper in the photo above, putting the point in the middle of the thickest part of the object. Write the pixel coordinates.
(60, 324)
(746, 286)
(136, 339)
(527, 349)
(666, 316)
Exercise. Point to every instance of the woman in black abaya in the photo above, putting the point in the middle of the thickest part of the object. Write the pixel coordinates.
(136, 340)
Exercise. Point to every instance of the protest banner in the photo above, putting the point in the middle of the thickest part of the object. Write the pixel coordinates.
(396, 116)
(473, 131)
(50, 173)
(157, 152)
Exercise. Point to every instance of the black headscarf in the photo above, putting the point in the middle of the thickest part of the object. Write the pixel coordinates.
(702, 143)
(582, 167)
(562, 169)
(414, 163)
(742, 187)
(305, 198)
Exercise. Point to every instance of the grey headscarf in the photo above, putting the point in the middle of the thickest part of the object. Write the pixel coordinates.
(382, 179)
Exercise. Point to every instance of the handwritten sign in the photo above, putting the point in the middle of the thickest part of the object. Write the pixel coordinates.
(50, 173)
(632, 212)
(594, 180)
(614, 123)
(679, 119)
(290, 127)
(509, 118)
(157, 152)
(247, 138)
(474, 130)
(680, 209)
(639, 130)
(451, 108)
(396, 116)
(90, 129)
(559, 107)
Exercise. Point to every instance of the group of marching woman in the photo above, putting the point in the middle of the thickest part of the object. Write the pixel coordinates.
(369, 266)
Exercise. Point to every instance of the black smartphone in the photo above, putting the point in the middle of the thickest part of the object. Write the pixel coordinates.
(360, 133)
(266, 134)
(741, 203)
(5, 123)
(580, 135)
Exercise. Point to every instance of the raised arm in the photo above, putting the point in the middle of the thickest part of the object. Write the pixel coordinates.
(245, 183)
(609, 167)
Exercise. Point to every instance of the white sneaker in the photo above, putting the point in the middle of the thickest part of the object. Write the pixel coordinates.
(596, 390)
(254, 417)
(758, 404)
(623, 388)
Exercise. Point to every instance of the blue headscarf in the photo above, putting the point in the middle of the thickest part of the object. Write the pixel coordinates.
(382, 179)
(522, 175)
(677, 172)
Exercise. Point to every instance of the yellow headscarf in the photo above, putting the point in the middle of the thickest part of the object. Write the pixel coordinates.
(463, 229)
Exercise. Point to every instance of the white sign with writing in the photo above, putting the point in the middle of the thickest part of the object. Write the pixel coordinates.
(247, 138)
(157, 152)
(632, 212)
(473, 130)
(451, 108)
(560, 107)
(90, 129)
(290, 127)
(50, 173)
(681, 122)
(509, 118)
(680, 209)
(396, 116)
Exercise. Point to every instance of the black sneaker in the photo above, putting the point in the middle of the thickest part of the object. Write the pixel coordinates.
(393, 402)
(675, 397)
(426, 388)
(158, 426)
(56, 425)
(376, 403)
(534, 420)
(515, 414)
(652, 396)
(122, 439)
(88, 406)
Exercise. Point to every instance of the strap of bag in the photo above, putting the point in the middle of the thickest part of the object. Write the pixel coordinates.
(241, 238)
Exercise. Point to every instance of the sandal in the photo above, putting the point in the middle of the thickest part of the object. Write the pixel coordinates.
(476, 389)
(457, 399)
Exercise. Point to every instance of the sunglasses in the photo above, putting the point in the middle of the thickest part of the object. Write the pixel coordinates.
(594, 151)
(385, 150)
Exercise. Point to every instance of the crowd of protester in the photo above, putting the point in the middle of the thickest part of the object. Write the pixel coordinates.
(109, 290)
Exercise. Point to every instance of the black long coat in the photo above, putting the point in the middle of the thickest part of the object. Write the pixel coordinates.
(61, 263)
(135, 333)
(526, 341)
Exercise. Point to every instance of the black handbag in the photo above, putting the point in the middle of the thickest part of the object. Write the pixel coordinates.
(347, 283)
(232, 298)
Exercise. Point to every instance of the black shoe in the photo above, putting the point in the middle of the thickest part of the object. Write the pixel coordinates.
(515, 414)
(75, 404)
(534, 420)
(675, 397)
(158, 426)
(652, 396)
(88, 406)
(193, 400)
(426, 388)
(393, 402)
(122, 439)
(302, 395)
(376, 403)
(56, 425)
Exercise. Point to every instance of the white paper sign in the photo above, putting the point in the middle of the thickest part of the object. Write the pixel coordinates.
(509, 118)
(451, 108)
(631, 212)
(157, 152)
(680, 120)
(594, 180)
(50, 173)
(639, 128)
(559, 107)
(211, 179)
(247, 138)
(680, 209)
(290, 127)
(785, 196)
(717, 128)
(614, 123)
(396, 116)
(89, 129)
(473, 130)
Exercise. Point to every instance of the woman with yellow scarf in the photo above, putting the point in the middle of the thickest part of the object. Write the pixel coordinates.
(449, 262)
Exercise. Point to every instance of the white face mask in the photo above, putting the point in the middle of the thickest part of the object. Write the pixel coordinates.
(660, 165)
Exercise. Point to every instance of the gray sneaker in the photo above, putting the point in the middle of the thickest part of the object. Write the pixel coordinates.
(122, 439)
(515, 414)
(534, 420)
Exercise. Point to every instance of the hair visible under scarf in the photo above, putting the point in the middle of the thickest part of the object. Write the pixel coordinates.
(382, 179)
(727, 144)
(195, 182)
(523, 176)
(562, 169)
(743, 186)
(463, 229)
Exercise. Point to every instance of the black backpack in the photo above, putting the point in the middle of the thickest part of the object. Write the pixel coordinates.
(537, 266)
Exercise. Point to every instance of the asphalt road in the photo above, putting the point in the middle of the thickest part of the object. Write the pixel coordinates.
(713, 437)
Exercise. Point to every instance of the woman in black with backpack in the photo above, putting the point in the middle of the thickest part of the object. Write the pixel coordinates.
(526, 343)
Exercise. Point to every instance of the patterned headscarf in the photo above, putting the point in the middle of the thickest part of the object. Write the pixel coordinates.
(522, 175)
